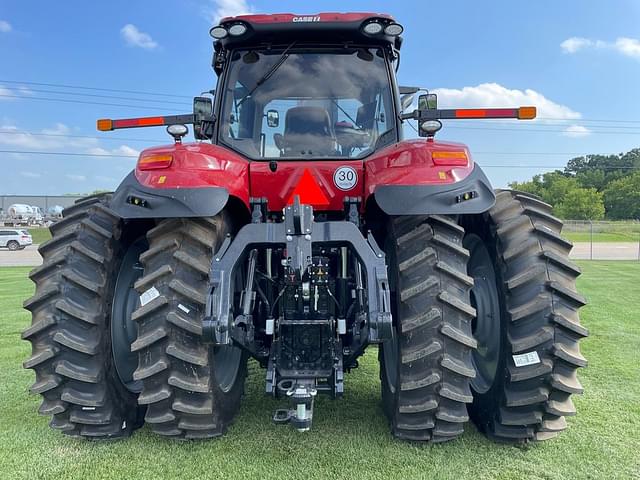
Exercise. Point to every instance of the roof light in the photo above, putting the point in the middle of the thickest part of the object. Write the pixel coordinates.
(393, 29)
(177, 131)
(237, 29)
(218, 32)
(372, 28)
(431, 127)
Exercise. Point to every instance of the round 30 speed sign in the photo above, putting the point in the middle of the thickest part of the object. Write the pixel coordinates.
(345, 178)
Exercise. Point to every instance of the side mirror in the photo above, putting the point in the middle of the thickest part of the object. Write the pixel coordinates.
(273, 118)
(202, 118)
(428, 101)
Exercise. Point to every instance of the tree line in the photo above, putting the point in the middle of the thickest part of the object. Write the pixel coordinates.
(591, 187)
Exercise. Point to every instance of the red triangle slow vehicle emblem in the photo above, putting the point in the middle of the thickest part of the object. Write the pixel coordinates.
(309, 191)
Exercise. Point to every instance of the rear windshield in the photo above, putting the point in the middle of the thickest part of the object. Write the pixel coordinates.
(24, 232)
(307, 103)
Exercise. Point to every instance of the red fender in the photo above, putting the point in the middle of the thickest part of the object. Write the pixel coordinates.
(198, 165)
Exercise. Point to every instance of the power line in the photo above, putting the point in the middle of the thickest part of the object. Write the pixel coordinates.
(86, 102)
(39, 90)
(69, 154)
(541, 130)
(106, 137)
(82, 87)
(139, 92)
(575, 120)
(538, 129)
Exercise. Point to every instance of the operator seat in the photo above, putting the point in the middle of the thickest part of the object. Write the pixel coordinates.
(307, 131)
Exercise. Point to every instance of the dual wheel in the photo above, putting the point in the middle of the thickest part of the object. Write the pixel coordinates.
(487, 325)
(116, 327)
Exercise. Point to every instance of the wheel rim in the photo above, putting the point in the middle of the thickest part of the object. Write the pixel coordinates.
(13, 246)
(226, 365)
(486, 325)
(124, 330)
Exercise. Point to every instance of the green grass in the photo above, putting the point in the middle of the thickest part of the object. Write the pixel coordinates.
(39, 235)
(350, 438)
(606, 237)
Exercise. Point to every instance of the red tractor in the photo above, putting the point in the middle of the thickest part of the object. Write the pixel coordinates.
(298, 230)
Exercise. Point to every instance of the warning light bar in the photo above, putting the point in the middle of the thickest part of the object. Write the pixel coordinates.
(521, 113)
(106, 124)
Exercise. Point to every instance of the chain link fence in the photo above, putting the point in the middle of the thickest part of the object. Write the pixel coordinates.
(603, 240)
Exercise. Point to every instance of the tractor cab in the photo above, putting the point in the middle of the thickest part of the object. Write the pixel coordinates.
(303, 87)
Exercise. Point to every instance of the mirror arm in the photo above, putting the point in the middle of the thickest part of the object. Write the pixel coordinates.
(415, 115)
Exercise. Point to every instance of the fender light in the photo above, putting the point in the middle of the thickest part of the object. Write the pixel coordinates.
(155, 162)
(450, 159)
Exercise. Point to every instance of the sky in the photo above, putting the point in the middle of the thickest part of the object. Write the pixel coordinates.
(578, 61)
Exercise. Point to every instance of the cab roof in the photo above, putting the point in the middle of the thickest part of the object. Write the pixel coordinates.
(327, 27)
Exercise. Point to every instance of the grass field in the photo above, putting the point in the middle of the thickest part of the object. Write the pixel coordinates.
(39, 235)
(350, 438)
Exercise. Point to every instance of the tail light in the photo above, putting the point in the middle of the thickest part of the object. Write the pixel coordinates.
(155, 162)
(450, 158)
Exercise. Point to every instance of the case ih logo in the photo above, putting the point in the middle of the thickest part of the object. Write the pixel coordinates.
(306, 19)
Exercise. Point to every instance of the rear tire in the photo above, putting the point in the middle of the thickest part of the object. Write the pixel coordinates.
(13, 245)
(70, 332)
(425, 370)
(190, 390)
(537, 315)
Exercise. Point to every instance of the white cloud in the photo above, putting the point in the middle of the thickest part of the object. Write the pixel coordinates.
(576, 131)
(136, 38)
(629, 47)
(76, 178)
(5, 27)
(124, 150)
(496, 96)
(54, 139)
(573, 44)
(6, 93)
(30, 174)
(226, 8)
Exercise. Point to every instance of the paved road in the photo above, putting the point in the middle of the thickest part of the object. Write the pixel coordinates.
(606, 251)
(29, 257)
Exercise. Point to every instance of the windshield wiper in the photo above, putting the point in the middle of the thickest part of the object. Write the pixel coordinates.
(274, 68)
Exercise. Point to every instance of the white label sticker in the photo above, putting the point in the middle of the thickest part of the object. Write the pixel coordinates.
(525, 359)
(149, 295)
(183, 308)
(345, 178)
